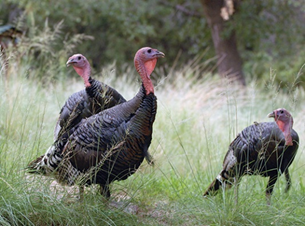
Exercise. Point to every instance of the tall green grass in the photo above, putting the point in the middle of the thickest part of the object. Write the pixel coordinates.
(196, 120)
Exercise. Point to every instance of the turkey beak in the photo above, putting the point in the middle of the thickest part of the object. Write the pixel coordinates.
(159, 54)
(69, 62)
(271, 115)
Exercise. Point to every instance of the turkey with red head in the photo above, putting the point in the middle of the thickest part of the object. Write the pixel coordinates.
(265, 149)
(112, 144)
(95, 98)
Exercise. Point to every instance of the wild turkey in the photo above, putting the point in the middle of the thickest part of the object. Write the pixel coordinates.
(9, 33)
(265, 149)
(96, 97)
(112, 144)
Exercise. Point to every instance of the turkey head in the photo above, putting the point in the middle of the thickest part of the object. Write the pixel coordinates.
(81, 66)
(145, 61)
(285, 122)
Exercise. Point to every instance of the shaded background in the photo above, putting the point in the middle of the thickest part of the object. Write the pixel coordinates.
(250, 38)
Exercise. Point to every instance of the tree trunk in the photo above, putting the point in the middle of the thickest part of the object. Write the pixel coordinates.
(228, 59)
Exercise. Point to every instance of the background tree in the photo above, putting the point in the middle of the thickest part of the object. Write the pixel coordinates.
(228, 59)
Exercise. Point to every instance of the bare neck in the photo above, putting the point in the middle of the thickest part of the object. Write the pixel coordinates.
(145, 72)
(85, 74)
(286, 128)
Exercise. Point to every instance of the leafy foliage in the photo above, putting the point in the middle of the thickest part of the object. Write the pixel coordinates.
(269, 32)
(271, 35)
(120, 27)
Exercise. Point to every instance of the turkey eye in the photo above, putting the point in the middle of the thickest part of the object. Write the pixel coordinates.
(149, 51)
(282, 112)
(79, 58)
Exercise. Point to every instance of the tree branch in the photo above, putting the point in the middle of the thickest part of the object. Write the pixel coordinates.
(188, 12)
(182, 9)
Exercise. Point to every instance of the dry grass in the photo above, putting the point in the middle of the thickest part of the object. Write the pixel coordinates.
(196, 121)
